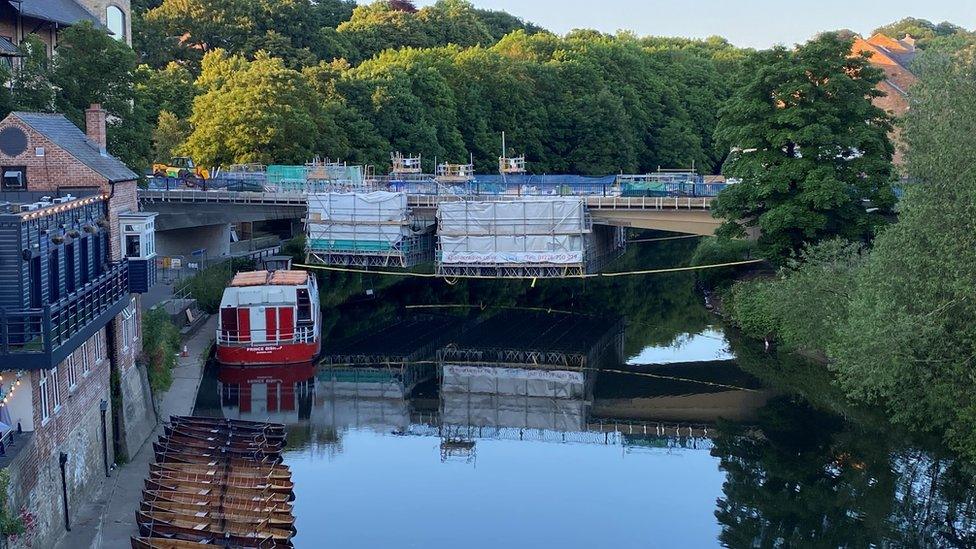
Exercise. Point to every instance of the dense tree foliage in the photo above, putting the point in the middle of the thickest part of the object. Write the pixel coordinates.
(812, 150)
(897, 323)
(928, 34)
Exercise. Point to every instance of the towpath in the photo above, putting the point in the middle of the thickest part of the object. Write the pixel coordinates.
(108, 520)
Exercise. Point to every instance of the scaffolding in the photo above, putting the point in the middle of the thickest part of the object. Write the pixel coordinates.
(405, 165)
(454, 174)
(366, 230)
(528, 238)
(328, 175)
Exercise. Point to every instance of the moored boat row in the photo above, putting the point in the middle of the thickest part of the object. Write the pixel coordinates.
(217, 482)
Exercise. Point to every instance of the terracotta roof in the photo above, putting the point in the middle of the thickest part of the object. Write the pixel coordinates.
(264, 278)
(889, 43)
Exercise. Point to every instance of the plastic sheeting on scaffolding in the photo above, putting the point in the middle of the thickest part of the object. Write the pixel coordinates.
(560, 249)
(522, 217)
(358, 208)
(356, 238)
(337, 173)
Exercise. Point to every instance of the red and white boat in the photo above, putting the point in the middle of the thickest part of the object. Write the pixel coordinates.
(269, 318)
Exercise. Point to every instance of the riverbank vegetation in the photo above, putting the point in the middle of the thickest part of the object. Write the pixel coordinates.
(895, 318)
(160, 347)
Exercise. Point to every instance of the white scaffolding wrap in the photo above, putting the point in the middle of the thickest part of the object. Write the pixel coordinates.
(513, 382)
(556, 249)
(358, 208)
(524, 217)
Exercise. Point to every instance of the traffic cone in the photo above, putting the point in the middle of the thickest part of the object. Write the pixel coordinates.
(185, 353)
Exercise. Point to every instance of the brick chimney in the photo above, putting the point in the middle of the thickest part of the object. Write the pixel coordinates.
(95, 126)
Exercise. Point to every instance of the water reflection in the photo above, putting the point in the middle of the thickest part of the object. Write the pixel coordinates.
(608, 415)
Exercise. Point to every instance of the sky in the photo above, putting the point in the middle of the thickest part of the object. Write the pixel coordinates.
(745, 23)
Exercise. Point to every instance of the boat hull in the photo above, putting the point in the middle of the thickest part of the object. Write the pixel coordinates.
(268, 354)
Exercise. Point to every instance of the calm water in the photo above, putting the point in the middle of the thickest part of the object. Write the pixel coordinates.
(580, 415)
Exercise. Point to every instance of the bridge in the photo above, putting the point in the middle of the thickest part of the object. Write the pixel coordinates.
(183, 209)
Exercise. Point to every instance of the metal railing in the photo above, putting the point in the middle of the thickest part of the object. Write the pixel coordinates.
(40, 331)
(300, 334)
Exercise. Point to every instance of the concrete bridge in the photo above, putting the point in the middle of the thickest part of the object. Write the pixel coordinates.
(186, 209)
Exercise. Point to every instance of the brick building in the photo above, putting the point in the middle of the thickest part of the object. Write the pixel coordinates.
(73, 250)
(894, 57)
(46, 18)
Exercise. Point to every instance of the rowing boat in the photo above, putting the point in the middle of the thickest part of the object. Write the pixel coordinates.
(172, 456)
(223, 431)
(206, 489)
(214, 442)
(274, 520)
(202, 543)
(238, 424)
(230, 480)
(246, 529)
(165, 446)
(263, 503)
(203, 537)
(222, 469)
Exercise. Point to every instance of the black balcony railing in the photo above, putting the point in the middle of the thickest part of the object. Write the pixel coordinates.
(43, 337)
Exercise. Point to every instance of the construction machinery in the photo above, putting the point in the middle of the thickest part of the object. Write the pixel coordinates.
(182, 168)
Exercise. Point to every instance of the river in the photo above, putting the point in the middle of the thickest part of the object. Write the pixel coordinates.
(581, 414)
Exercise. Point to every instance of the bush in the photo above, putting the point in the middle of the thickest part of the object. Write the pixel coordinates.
(711, 251)
(160, 346)
(207, 286)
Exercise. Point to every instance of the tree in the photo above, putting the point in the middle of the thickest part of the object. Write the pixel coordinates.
(910, 340)
(31, 88)
(252, 111)
(169, 136)
(812, 151)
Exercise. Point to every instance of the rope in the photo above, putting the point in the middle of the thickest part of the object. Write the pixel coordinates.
(664, 238)
(454, 278)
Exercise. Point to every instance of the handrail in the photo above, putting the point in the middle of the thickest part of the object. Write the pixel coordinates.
(300, 334)
(44, 329)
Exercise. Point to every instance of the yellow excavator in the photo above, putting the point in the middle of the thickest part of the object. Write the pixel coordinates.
(182, 168)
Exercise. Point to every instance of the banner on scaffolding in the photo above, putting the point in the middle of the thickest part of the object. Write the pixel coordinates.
(523, 217)
(530, 249)
(355, 238)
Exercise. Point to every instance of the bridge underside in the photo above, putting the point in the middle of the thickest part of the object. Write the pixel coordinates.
(178, 215)
(698, 222)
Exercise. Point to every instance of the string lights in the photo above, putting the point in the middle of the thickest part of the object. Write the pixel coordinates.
(6, 393)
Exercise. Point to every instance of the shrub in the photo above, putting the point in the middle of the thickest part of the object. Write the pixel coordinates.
(161, 343)
(711, 251)
(207, 286)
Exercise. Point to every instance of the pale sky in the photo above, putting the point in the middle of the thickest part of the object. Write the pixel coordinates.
(746, 23)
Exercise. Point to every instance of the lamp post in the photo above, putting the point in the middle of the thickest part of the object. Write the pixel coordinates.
(103, 406)
(63, 460)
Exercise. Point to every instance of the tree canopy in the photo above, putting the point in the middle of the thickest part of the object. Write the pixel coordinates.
(812, 151)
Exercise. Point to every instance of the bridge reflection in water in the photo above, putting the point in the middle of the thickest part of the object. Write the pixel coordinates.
(511, 376)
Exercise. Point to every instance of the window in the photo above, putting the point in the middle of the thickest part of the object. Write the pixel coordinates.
(115, 21)
(56, 389)
(14, 178)
(85, 358)
(72, 367)
(129, 325)
(45, 390)
(132, 246)
(99, 350)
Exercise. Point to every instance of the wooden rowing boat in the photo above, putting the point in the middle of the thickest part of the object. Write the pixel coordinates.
(203, 537)
(165, 446)
(264, 503)
(274, 520)
(249, 529)
(217, 469)
(207, 489)
(230, 480)
(165, 456)
(222, 431)
(214, 442)
(173, 543)
(228, 508)
(238, 424)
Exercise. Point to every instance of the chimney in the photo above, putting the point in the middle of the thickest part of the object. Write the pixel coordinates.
(95, 126)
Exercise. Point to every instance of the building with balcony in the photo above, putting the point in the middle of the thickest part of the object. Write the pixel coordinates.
(74, 254)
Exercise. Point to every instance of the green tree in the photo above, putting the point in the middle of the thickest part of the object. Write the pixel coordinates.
(31, 88)
(257, 111)
(910, 340)
(812, 150)
(169, 136)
